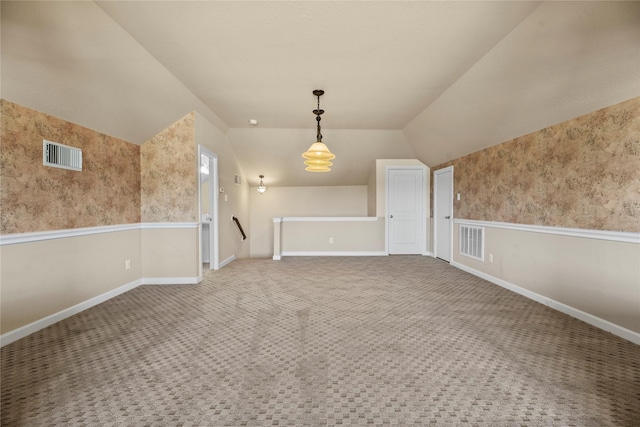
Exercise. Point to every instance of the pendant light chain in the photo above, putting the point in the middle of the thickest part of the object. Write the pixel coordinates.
(318, 112)
(318, 156)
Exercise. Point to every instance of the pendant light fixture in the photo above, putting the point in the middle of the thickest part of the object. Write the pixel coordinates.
(318, 155)
(261, 187)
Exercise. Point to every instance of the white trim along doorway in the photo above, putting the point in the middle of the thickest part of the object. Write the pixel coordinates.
(208, 184)
(443, 213)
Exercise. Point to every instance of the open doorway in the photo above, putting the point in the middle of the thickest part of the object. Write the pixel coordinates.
(208, 208)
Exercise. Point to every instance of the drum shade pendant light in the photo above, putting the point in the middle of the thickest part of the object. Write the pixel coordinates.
(261, 187)
(318, 155)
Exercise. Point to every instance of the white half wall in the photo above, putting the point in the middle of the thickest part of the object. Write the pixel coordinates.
(332, 236)
(347, 201)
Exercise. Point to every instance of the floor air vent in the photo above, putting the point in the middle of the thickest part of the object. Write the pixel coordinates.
(472, 241)
(61, 156)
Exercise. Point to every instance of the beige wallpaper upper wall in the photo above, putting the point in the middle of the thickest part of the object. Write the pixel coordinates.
(169, 184)
(583, 173)
(34, 197)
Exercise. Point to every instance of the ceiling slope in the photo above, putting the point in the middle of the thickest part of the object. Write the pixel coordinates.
(380, 63)
(565, 60)
(72, 61)
(431, 79)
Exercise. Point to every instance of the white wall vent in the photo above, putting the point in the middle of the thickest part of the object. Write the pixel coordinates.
(61, 156)
(237, 179)
(472, 242)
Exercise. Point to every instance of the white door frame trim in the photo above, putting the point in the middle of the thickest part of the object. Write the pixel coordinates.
(435, 212)
(423, 168)
(214, 261)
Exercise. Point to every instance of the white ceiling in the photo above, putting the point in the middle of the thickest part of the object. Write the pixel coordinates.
(428, 79)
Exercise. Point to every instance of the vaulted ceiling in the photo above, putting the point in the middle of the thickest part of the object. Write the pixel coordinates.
(434, 80)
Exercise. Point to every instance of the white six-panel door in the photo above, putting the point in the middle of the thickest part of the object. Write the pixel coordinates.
(405, 210)
(443, 212)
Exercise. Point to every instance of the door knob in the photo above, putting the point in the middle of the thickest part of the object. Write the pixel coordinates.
(390, 216)
(447, 217)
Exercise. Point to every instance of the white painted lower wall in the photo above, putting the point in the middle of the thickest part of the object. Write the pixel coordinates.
(40, 278)
(329, 236)
(278, 202)
(46, 277)
(170, 252)
(593, 276)
(23, 331)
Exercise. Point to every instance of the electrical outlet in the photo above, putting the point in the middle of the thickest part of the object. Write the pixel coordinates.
(490, 257)
(127, 264)
(330, 239)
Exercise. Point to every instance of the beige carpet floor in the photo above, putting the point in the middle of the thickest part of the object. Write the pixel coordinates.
(402, 340)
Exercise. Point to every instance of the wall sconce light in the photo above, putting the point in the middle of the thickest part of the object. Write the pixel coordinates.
(261, 187)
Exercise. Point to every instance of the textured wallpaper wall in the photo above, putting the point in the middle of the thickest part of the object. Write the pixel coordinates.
(169, 182)
(583, 173)
(34, 197)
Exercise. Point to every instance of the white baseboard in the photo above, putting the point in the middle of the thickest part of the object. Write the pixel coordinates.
(226, 261)
(23, 331)
(620, 331)
(427, 254)
(277, 257)
(336, 253)
(169, 280)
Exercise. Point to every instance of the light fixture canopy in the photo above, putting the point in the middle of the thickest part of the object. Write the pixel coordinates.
(318, 155)
(261, 187)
